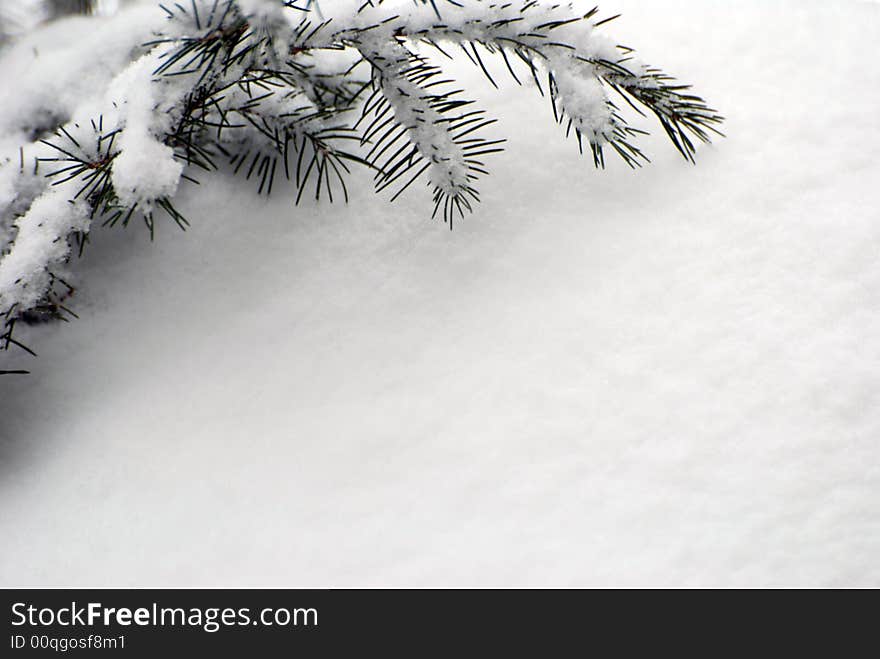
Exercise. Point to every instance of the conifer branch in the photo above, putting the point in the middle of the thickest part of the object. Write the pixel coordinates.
(303, 91)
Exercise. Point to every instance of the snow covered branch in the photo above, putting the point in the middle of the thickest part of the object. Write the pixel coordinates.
(304, 90)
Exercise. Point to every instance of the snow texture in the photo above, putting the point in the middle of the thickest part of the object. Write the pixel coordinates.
(662, 377)
(145, 169)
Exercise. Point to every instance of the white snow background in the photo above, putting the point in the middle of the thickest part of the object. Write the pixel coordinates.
(662, 377)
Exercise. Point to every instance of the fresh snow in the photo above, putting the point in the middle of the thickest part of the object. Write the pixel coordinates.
(662, 377)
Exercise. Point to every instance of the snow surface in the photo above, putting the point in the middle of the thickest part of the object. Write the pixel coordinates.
(662, 377)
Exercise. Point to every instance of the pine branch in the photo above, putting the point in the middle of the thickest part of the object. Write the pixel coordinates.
(304, 91)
